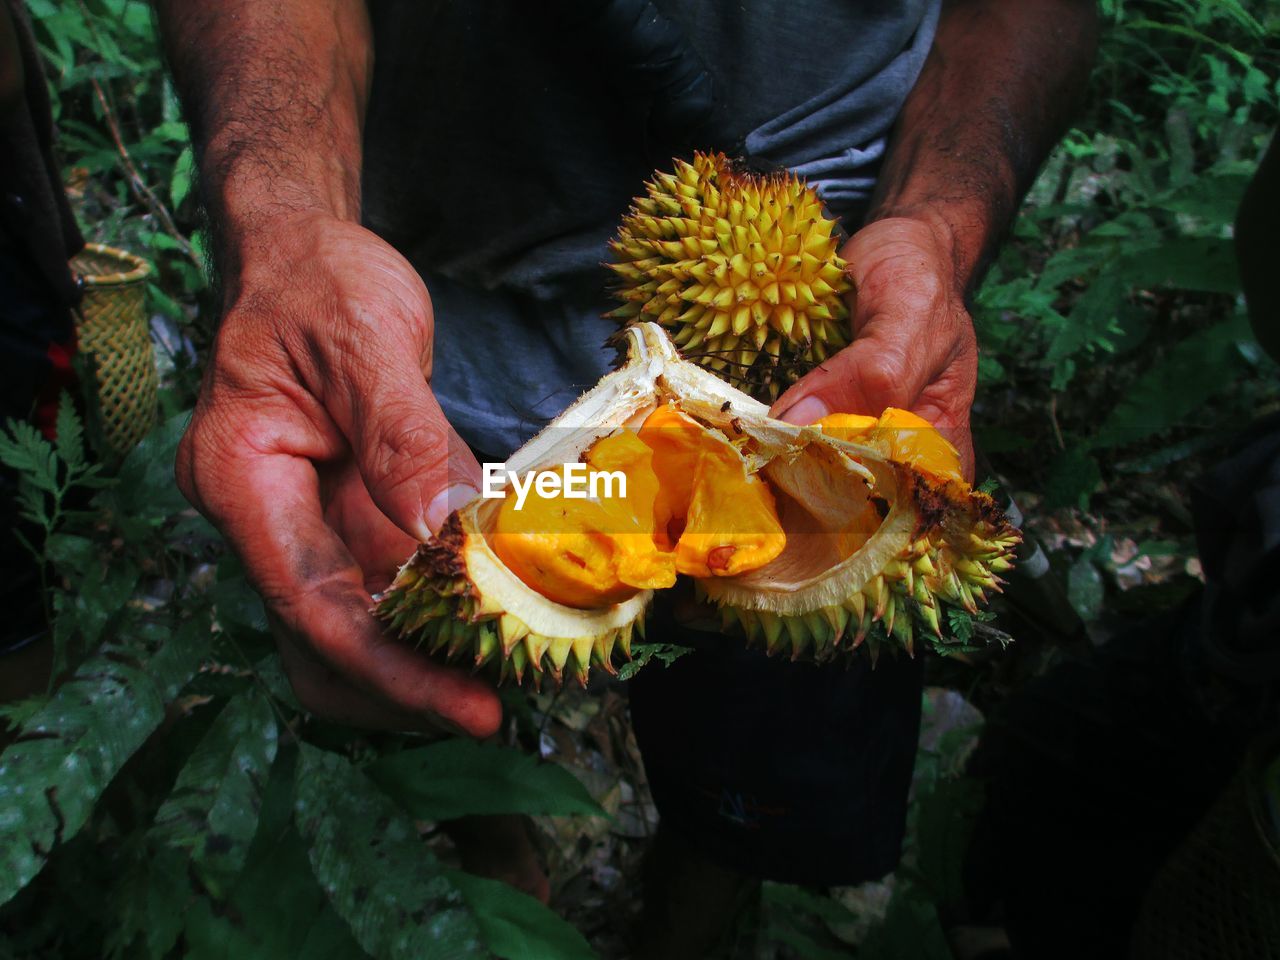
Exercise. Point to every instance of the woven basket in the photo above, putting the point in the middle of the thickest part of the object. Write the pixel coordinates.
(111, 326)
(1218, 896)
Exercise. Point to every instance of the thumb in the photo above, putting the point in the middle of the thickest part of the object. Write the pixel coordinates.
(416, 468)
(870, 374)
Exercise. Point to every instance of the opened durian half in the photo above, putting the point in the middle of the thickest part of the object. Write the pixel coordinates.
(812, 541)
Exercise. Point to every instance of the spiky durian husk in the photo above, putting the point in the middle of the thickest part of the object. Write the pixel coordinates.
(741, 267)
(434, 604)
(939, 544)
(961, 545)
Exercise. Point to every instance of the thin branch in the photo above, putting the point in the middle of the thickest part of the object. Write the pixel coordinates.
(1053, 419)
(145, 195)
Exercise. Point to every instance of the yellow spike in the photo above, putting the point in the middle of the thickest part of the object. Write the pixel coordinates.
(558, 651)
(786, 318)
(878, 595)
(512, 630)
(581, 648)
(536, 646)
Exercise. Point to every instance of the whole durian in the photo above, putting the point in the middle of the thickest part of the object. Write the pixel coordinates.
(861, 533)
(740, 267)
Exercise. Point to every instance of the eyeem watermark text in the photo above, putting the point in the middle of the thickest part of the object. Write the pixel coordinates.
(576, 481)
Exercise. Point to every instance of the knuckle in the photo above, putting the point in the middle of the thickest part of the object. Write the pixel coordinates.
(401, 449)
(882, 377)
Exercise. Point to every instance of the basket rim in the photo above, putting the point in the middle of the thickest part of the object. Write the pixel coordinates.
(139, 269)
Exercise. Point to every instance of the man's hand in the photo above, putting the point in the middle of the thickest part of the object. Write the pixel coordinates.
(994, 96)
(913, 347)
(318, 449)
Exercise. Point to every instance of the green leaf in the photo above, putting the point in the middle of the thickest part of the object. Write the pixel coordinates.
(22, 448)
(911, 928)
(515, 926)
(101, 590)
(276, 910)
(70, 432)
(459, 777)
(146, 486)
(1074, 476)
(1177, 385)
(240, 608)
(1085, 589)
(943, 821)
(1205, 264)
(642, 653)
(149, 905)
(68, 752)
(212, 812)
(183, 171)
(795, 899)
(1092, 321)
(17, 712)
(371, 864)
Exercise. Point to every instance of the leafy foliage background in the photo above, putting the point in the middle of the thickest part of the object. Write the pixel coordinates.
(168, 796)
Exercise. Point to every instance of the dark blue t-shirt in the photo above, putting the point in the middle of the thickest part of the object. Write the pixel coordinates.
(501, 153)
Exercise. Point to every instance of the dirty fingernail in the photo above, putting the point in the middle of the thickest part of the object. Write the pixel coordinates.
(445, 502)
(805, 411)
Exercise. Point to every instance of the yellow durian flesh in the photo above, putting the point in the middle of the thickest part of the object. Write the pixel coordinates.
(720, 518)
(593, 552)
(690, 506)
(871, 550)
(904, 436)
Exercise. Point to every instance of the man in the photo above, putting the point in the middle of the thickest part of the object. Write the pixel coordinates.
(496, 147)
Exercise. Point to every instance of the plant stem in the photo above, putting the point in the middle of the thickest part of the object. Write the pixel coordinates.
(145, 195)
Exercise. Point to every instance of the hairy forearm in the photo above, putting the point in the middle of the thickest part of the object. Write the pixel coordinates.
(275, 93)
(995, 94)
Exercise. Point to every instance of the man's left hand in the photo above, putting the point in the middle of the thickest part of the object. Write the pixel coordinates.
(913, 346)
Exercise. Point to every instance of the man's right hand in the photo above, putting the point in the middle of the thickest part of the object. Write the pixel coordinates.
(319, 451)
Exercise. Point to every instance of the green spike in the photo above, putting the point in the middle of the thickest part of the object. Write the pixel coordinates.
(903, 630)
(462, 641)
(873, 647)
(798, 632)
(771, 624)
(930, 616)
(487, 643)
(838, 617)
(444, 636)
(822, 633)
(519, 661)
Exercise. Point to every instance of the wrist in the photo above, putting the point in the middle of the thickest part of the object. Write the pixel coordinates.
(257, 235)
(962, 235)
(261, 207)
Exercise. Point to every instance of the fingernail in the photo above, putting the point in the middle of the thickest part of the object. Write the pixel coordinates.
(805, 411)
(446, 501)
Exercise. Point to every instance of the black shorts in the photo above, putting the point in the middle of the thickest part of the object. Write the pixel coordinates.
(789, 771)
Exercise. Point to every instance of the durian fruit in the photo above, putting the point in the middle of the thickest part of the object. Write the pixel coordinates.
(814, 541)
(740, 267)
